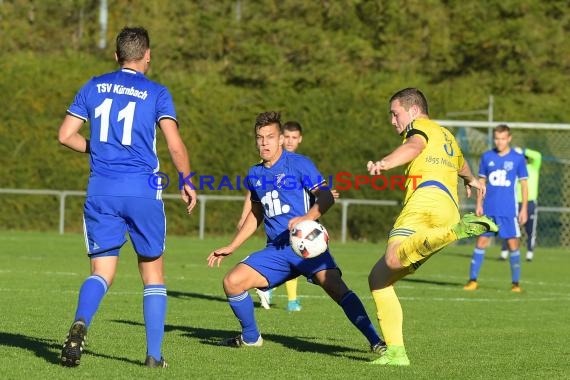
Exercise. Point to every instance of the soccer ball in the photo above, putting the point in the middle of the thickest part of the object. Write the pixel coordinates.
(309, 239)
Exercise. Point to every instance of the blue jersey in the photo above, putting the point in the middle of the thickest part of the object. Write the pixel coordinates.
(501, 173)
(284, 190)
(123, 108)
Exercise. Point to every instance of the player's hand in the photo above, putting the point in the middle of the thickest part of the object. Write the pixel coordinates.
(218, 255)
(475, 184)
(523, 216)
(479, 211)
(335, 194)
(373, 168)
(189, 197)
(294, 221)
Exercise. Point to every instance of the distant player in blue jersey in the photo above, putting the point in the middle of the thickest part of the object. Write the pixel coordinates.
(124, 191)
(499, 169)
(533, 163)
(281, 186)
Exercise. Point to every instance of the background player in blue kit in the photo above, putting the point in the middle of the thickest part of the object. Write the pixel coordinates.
(499, 169)
(124, 193)
(280, 192)
(533, 163)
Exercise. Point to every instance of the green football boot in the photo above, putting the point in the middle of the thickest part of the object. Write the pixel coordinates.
(394, 355)
(473, 225)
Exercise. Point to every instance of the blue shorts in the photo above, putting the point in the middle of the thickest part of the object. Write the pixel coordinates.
(107, 219)
(508, 227)
(281, 264)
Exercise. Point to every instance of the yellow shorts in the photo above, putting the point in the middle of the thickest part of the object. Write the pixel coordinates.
(428, 207)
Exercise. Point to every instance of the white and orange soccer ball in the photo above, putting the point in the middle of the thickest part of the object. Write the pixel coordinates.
(309, 239)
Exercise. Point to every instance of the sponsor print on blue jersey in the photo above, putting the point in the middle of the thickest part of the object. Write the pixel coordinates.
(284, 191)
(501, 173)
(123, 108)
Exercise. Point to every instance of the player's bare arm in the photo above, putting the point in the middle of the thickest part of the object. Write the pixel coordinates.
(250, 225)
(402, 155)
(324, 201)
(523, 213)
(179, 156)
(479, 204)
(245, 209)
(69, 134)
(470, 181)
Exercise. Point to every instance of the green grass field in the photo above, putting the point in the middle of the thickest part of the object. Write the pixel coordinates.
(449, 333)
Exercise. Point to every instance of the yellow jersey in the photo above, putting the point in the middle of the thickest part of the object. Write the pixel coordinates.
(439, 162)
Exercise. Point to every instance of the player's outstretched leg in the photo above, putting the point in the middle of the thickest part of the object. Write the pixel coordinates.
(330, 280)
(428, 241)
(74, 344)
(354, 310)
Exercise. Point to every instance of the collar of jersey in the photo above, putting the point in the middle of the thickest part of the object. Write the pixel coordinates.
(130, 71)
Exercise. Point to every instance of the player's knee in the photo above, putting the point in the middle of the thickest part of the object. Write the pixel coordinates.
(393, 262)
(232, 283)
(332, 283)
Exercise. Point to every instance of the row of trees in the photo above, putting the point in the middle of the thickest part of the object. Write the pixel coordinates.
(332, 65)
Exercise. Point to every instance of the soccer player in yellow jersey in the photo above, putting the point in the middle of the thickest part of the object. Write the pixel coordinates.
(430, 217)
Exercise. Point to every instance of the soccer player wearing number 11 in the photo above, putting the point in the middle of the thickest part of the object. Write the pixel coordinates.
(124, 108)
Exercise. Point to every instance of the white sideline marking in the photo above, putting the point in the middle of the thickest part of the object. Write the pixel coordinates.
(519, 298)
(516, 298)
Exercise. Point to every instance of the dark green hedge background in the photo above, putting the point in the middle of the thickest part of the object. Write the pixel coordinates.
(332, 65)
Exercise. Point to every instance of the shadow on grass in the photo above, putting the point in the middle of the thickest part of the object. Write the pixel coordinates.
(302, 344)
(207, 297)
(42, 348)
(48, 349)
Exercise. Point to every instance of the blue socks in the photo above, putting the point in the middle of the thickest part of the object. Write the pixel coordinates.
(354, 310)
(515, 261)
(154, 310)
(242, 306)
(91, 294)
(476, 262)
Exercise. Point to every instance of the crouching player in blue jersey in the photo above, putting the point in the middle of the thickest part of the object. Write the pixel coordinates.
(124, 191)
(281, 186)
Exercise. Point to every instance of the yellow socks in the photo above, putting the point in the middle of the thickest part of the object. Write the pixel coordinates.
(291, 287)
(390, 317)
